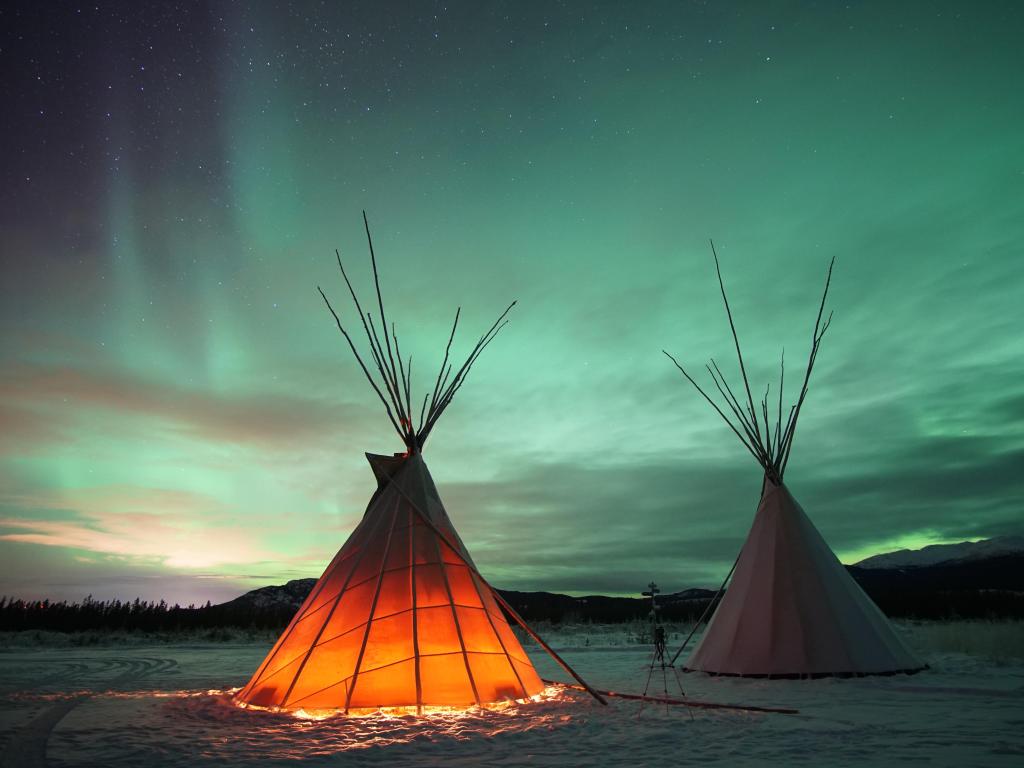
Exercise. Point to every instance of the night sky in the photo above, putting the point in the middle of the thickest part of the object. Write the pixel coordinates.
(179, 417)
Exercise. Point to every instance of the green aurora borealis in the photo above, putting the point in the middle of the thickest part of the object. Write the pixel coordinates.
(179, 417)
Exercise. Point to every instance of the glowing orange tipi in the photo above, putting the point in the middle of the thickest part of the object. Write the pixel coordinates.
(401, 618)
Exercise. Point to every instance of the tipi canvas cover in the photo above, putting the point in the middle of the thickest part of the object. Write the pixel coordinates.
(401, 618)
(792, 609)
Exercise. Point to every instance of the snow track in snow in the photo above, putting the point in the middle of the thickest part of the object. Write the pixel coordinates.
(26, 747)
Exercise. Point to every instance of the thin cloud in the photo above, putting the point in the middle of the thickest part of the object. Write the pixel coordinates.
(138, 524)
(41, 404)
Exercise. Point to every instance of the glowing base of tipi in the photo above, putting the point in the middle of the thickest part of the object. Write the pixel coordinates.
(508, 705)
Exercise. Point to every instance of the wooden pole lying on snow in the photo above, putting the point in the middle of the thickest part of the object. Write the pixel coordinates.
(683, 702)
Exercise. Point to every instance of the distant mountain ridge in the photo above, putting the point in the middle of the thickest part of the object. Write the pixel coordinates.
(936, 554)
(288, 595)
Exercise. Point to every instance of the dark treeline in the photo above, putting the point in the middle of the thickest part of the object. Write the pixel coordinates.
(134, 616)
(152, 617)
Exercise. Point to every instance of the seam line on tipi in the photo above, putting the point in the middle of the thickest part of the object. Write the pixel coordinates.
(282, 641)
(810, 534)
(502, 601)
(455, 617)
(345, 680)
(373, 607)
(318, 691)
(300, 616)
(796, 583)
(415, 617)
(311, 617)
(737, 628)
(497, 635)
(337, 600)
(392, 615)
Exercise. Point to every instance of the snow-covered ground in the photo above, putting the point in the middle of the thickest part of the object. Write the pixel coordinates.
(166, 705)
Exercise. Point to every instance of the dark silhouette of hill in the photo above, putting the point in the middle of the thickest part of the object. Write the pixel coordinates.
(969, 588)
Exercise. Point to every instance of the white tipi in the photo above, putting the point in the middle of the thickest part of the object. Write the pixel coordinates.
(792, 609)
(401, 619)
